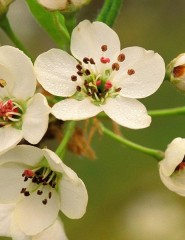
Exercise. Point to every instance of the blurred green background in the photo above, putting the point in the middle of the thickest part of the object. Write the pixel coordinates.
(127, 200)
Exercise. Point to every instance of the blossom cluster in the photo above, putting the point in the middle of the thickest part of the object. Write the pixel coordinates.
(35, 184)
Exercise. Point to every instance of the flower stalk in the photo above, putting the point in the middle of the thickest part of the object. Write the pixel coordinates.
(109, 11)
(157, 154)
(167, 112)
(68, 133)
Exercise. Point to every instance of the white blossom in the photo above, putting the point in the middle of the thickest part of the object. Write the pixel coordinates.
(62, 4)
(176, 70)
(172, 167)
(103, 79)
(23, 114)
(35, 185)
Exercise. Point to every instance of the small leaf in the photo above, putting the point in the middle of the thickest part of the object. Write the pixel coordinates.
(53, 22)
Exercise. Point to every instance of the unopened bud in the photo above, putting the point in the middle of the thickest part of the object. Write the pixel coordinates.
(4, 4)
(176, 71)
(63, 5)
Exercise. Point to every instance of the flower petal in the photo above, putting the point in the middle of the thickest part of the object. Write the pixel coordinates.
(56, 230)
(74, 197)
(6, 78)
(21, 69)
(11, 182)
(149, 72)
(9, 137)
(71, 109)
(23, 154)
(54, 4)
(54, 70)
(88, 38)
(33, 216)
(5, 219)
(35, 121)
(127, 112)
(174, 155)
(73, 193)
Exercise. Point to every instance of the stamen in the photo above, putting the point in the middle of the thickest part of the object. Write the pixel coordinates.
(87, 72)
(23, 190)
(121, 57)
(44, 201)
(2, 83)
(79, 67)
(115, 66)
(73, 78)
(80, 73)
(108, 85)
(130, 72)
(50, 194)
(98, 82)
(86, 60)
(26, 193)
(104, 60)
(91, 61)
(78, 88)
(104, 48)
(118, 89)
(39, 192)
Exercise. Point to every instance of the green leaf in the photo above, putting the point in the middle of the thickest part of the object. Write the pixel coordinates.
(53, 22)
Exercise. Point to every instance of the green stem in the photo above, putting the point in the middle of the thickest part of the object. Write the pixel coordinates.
(68, 133)
(5, 25)
(104, 11)
(109, 11)
(152, 152)
(167, 112)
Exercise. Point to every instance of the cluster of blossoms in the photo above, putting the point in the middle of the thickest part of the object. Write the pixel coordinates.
(100, 77)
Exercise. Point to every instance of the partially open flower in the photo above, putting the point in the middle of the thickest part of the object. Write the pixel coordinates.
(22, 114)
(172, 167)
(176, 70)
(63, 5)
(39, 185)
(104, 79)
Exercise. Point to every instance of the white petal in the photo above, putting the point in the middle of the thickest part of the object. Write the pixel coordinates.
(35, 121)
(54, 70)
(33, 216)
(5, 219)
(16, 232)
(8, 79)
(74, 197)
(127, 112)
(23, 154)
(11, 182)
(21, 69)
(88, 38)
(9, 137)
(71, 109)
(174, 155)
(149, 73)
(54, 4)
(55, 231)
(175, 183)
(73, 193)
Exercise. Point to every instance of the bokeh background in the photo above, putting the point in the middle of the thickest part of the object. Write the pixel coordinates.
(127, 200)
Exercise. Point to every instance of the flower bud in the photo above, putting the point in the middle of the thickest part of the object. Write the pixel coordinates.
(63, 5)
(172, 167)
(176, 70)
(4, 4)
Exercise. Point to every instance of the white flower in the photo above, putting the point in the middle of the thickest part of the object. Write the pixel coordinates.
(172, 167)
(176, 70)
(22, 114)
(62, 4)
(105, 78)
(10, 228)
(40, 185)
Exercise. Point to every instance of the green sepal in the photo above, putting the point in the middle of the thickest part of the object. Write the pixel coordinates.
(53, 22)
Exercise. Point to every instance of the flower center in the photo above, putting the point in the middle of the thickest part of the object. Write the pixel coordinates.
(39, 179)
(181, 165)
(97, 78)
(10, 112)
